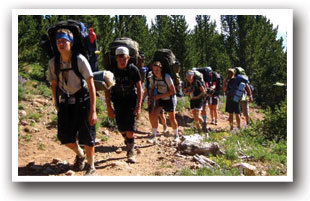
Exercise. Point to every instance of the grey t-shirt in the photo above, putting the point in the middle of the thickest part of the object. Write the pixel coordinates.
(162, 86)
(74, 82)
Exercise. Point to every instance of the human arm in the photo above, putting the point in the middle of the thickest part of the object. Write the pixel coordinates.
(249, 92)
(110, 110)
(139, 101)
(171, 89)
(171, 92)
(92, 118)
(225, 81)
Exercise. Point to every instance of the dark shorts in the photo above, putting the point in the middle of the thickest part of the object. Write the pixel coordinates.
(150, 108)
(124, 108)
(213, 100)
(232, 107)
(196, 104)
(167, 105)
(73, 124)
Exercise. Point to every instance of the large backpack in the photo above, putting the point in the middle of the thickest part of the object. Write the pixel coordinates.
(80, 46)
(219, 81)
(240, 70)
(204, 71)
(136, 57)
(79, 32)
(171, 66)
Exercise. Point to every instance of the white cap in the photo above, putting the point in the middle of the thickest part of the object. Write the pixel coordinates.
(121, 50)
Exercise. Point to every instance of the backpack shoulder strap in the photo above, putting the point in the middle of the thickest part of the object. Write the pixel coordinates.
(76, 68)
(57, 66)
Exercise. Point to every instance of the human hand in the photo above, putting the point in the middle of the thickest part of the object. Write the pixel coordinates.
(92, 118)
(111, 112)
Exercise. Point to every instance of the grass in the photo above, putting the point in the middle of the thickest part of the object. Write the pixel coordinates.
(34, 116)
(104, 138)
(41, 146)
(182, 103)
(55, 138)
(272, 154)
(27, 137)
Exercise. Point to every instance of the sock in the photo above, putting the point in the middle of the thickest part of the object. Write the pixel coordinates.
(79, 151)
(91, 161)
(176, 132)
(154, 131)
(204, 117)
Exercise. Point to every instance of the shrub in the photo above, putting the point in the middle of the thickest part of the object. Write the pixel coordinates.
(274, 126)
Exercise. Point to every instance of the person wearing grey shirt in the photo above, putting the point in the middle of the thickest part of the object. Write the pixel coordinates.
(75, 100)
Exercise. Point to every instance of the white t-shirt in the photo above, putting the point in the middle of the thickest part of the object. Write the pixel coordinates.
(74, 82)
(162, 86)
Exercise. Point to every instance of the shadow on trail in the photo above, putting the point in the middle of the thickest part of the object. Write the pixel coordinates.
(97, 163)
(105, 149)
(44, 170)
(183, 120)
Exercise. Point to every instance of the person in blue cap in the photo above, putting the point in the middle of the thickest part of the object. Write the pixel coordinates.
(77, 104)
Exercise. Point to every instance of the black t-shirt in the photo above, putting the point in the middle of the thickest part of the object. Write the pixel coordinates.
(195, 87)
(229, 87)
(126, 80)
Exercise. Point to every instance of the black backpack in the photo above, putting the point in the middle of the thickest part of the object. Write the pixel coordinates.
(80, 34)
(219, 81)
(170, 66)
(136, 56)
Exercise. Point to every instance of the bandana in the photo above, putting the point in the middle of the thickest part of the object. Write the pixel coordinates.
(64, 36)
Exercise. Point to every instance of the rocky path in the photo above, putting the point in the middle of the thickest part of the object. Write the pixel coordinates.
(40, 153)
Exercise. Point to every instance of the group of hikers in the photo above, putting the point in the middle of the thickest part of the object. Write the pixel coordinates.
(74, 94)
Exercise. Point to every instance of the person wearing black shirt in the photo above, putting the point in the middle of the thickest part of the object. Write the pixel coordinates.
(126, 96)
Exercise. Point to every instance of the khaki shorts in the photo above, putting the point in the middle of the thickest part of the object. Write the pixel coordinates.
(244, 107)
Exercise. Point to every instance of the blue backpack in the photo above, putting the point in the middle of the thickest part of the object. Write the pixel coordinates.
(239, 80)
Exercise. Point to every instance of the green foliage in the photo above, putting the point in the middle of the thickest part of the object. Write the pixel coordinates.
(27, 137)
(246, 40)
(275, 123)
(35, 116)
(182, 103)
(103, 118)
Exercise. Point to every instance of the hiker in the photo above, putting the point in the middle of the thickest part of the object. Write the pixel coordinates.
(126, 96)
(196, 92)
(166, 97)
(246, 97)
(213, 96)
(150, 107)
(92, 49)
(77, 105)
(232, 106)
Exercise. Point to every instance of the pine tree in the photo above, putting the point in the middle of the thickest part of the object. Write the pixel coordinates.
(252, 44)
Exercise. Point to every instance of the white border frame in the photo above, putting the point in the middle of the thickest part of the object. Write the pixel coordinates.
(285, 13)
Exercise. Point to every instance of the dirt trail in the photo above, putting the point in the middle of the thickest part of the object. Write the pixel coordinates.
(39, 152)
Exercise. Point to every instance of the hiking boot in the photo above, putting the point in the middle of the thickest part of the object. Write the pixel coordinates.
(152, 140)
(131, 153)
(90, 171)
(215, 122)
(79, 163)
(177, 139)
